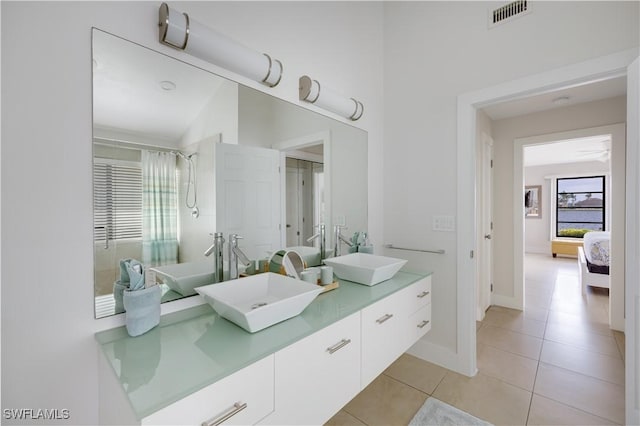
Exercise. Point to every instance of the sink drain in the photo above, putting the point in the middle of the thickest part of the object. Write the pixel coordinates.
(258, 305)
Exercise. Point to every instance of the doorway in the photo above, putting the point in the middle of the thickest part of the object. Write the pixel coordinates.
(304, 199)
(614, 206)
(608, 67)
(305, 158)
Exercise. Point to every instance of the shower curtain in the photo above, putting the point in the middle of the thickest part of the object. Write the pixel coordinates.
(159, 208)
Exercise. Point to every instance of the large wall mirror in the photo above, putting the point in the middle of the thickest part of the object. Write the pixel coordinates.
(166, 134)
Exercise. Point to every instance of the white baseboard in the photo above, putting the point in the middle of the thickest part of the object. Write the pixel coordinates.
(439, 355)
(506, 301)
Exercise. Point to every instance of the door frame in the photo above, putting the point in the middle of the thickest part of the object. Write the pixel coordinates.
(602, 68)
(632, 249)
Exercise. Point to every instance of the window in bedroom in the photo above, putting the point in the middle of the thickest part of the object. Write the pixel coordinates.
(580, 205)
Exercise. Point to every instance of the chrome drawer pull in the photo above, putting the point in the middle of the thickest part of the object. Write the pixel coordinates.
(341, 344)
(423, 294)
(384, 318)
(237, 407)
(423, 323)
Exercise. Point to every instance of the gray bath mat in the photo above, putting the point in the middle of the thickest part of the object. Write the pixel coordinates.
(437, 413)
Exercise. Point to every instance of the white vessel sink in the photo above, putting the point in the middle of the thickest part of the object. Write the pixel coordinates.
(261, 300)
(184, 277)
(363, 268)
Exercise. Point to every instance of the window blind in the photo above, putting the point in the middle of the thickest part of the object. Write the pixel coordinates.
(117, 201)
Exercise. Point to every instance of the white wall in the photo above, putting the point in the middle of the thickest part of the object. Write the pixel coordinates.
(537, 231)
(218, 116)
(346, 169)
(49, 356)
(435, 51)
(591, 114)
(194, 231)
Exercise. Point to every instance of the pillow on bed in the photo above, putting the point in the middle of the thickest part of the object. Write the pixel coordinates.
(596, 247)
(600, 253)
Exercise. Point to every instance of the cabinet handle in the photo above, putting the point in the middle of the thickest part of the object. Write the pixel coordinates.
(423, 323)
(423, 294)
(384, 318)
(341, 344)
(237, 407)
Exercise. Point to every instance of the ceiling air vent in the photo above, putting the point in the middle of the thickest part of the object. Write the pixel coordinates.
(508, 12)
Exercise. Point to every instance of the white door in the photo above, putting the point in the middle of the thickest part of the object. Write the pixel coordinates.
(632, 273)
(248, 197)
(293, 214)
(486, 227)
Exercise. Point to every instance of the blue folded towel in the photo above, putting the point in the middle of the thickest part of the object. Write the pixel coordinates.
(134, 272)
(118, 292)
(143, 309)
(124, 275)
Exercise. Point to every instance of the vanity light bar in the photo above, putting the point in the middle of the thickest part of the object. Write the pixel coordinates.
(180, 32)
(311, 91)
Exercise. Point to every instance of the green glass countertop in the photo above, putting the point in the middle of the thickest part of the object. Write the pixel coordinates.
(194, 348)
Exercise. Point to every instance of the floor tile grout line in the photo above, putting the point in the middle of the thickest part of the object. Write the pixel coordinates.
(586, 349)
(533, 389)
(515, 331)
(410, 385)
(505, 350)
(581, 374)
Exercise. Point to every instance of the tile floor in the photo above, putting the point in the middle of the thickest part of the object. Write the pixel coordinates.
(556, 363)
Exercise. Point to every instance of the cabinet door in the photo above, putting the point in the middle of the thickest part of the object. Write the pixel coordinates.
(385, 333)
(242, 398)
(318, 375)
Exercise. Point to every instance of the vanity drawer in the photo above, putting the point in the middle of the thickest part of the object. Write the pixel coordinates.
(385, 334)
(420, 294)
(420, 321)
(253, 386)
(318, 375)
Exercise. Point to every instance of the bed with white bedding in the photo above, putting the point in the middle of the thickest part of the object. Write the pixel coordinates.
(594, 260)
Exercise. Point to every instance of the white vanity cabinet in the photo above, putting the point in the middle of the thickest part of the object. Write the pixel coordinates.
(297, 372)
(242, 398)
(391, 325)
(318, 375)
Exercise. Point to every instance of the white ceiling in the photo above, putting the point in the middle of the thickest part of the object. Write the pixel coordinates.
(577, 95)
(595, 148)
(127, 93)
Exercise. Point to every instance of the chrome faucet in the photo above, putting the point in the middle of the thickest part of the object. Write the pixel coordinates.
(218, 259)
(321, 235)
(339, 237)
(234, 254)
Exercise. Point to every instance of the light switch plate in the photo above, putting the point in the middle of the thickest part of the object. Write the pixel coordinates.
(444, 223)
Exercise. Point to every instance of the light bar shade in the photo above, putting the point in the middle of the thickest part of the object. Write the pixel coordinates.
(325, 98)
(181, 32)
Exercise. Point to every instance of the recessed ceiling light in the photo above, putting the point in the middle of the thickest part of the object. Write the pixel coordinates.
(562, 100)
(167, 85)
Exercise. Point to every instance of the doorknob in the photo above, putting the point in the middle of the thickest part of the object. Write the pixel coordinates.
(487, 237)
